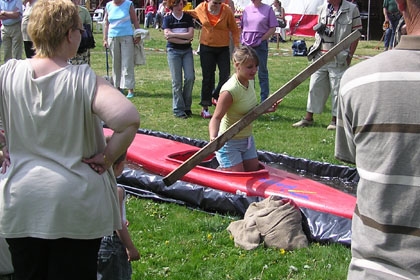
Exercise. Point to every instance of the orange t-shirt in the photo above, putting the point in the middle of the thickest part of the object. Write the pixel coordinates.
(214, 18)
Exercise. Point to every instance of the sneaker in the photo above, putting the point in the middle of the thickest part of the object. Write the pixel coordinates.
(303, 123)
(205, 114)
(130, 95)
(332, 126)
(214, 101)
(188, 113)
(157, 27)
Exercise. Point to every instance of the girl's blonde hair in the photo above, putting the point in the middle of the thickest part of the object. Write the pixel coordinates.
(50, 22)
(244, 53)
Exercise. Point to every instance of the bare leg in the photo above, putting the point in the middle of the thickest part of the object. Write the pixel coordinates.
(251, 165)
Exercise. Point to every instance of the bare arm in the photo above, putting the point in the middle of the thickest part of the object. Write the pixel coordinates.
(268, 34)
(9, 14)
(106, 27)
(282, 13)
(4, 154)
(179, 38)
(223, 104)
(133, 17)
(121, 116)
(124, 235)
(186, 35)
(352, 49)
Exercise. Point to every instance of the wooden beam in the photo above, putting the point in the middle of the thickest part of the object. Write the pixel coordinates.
(218, 142)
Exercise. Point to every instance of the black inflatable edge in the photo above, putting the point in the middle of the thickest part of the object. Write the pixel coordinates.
(319, 227)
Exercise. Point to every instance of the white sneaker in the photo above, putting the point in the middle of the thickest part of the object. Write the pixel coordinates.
(303, 123)
(205, 114)
(332, 126)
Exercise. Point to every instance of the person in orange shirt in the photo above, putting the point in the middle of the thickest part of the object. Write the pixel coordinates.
(218, 22)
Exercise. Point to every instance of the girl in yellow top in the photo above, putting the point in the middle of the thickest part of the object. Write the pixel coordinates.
(237, 98)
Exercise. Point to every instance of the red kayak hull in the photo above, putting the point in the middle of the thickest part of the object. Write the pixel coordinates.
(162, 156)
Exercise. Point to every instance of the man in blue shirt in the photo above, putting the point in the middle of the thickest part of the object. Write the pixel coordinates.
(11, 19)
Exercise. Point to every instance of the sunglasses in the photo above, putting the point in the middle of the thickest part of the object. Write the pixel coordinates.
(217, 3)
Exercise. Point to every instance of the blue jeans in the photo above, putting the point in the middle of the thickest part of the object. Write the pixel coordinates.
(209, 58)
(113, 261)
(262, 53)
(178, 61)
(158, 20)
(390, 32)
(149, 19)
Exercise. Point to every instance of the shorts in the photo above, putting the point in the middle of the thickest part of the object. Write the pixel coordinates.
(236, 151)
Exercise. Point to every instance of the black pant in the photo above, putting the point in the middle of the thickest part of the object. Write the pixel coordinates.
(52, 259)
(209, 58)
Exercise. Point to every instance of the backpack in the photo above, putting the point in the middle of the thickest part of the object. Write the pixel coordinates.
(87, 41)
(299, 48)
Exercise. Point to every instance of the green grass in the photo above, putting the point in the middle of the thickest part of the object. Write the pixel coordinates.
(177, 243)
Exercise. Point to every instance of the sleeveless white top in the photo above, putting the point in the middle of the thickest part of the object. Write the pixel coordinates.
(48, 192)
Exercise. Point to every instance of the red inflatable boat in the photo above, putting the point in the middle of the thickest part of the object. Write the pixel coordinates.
(162, 156)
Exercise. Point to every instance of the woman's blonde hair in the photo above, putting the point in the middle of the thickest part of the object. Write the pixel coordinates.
(50, 22)
(244, 53)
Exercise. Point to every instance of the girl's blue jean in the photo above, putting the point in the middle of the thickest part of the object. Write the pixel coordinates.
(181, 63)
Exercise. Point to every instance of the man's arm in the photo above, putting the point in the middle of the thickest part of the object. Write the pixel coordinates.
(10, 14)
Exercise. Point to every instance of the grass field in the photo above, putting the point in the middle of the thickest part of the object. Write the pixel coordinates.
(178, 243)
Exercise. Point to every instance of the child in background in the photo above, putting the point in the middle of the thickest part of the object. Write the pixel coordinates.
(237, 97)
(150, 13)
(161, 12)
(117, 251)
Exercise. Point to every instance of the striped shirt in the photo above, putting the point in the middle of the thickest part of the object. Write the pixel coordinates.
(378, 128)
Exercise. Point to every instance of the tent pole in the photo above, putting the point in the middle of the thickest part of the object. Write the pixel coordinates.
(368, 23)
